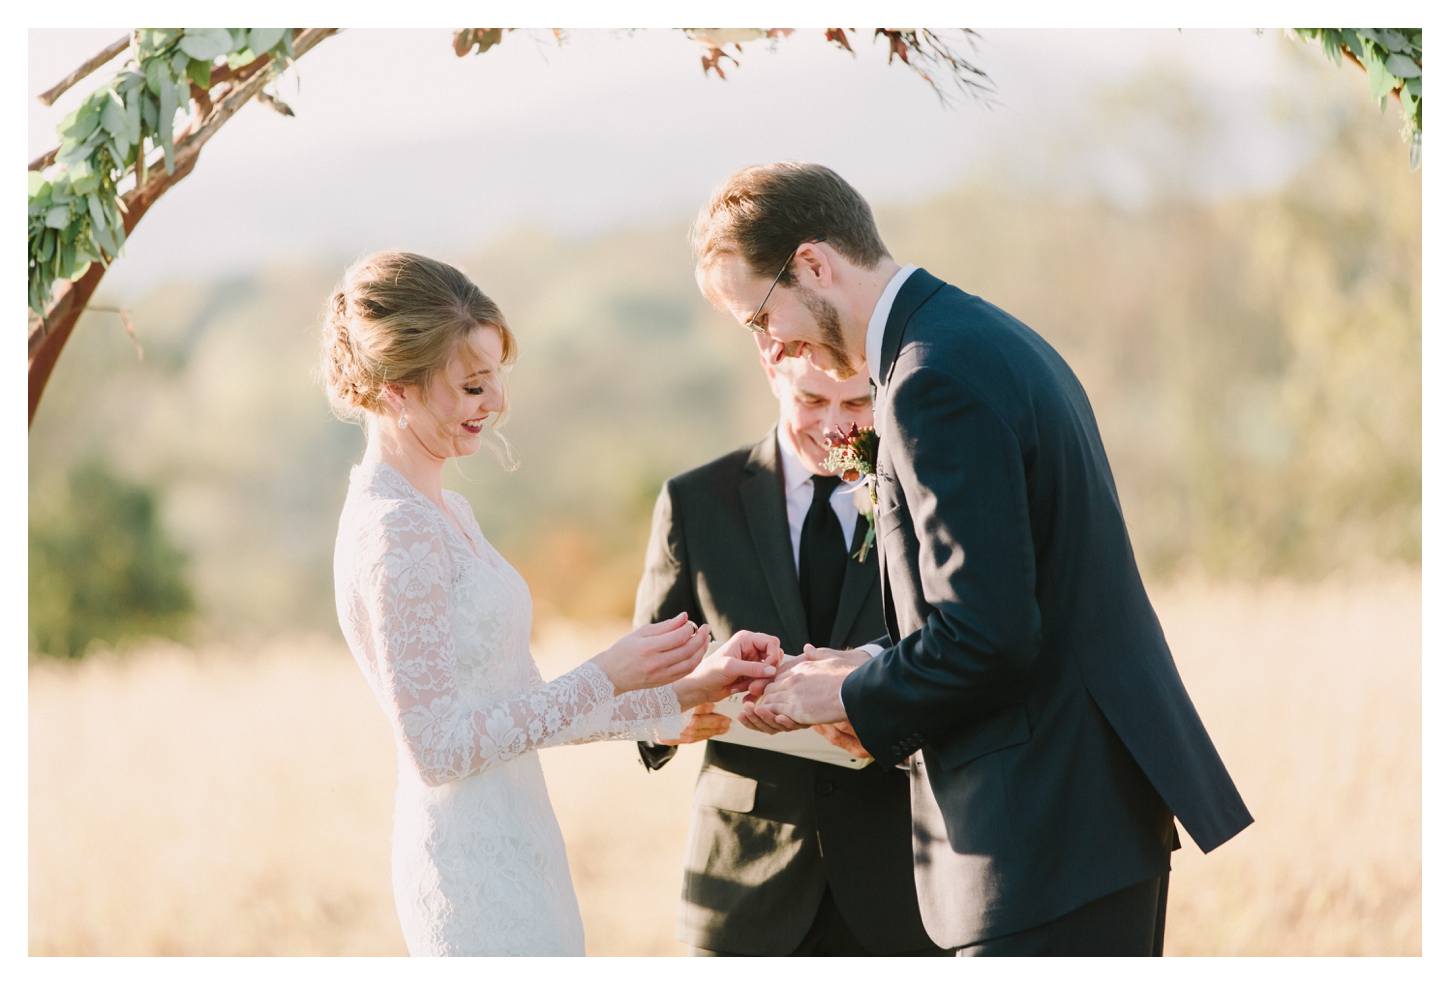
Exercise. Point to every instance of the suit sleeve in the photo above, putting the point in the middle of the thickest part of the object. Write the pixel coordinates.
(962, 474)
(665, 590)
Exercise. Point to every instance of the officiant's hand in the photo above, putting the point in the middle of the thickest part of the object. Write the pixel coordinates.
(843, 736)
(805, 692)
(703, 724)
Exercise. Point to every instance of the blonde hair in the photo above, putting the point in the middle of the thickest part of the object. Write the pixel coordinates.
(395, 319)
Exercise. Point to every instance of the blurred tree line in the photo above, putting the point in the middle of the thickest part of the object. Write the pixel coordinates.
(1254, 363)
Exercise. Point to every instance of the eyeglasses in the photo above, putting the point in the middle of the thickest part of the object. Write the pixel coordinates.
(752, 324)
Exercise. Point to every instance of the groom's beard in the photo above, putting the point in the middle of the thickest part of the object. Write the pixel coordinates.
(832, 342)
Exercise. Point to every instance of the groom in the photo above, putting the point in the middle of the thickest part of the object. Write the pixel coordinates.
(1024, 681)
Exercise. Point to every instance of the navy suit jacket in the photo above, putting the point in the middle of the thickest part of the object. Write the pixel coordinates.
(1027, 680)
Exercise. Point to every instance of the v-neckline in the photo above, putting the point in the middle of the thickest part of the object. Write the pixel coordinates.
(449, 519)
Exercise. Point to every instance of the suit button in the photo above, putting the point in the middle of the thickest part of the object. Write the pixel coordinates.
(825, 788)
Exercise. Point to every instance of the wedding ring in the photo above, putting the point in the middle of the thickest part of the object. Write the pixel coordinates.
(694, 627)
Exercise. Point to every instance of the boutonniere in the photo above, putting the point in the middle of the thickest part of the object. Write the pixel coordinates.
(852, 456)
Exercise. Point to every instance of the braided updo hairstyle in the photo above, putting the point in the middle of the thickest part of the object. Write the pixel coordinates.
(395, 319)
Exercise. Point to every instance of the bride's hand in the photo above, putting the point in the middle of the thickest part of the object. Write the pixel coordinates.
(654, 655)
(746, 658)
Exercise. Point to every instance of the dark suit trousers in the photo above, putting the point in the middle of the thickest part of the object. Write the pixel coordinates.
(1128, 923)
(829, 937)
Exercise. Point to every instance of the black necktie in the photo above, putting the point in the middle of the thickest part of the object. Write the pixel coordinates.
(822, 561)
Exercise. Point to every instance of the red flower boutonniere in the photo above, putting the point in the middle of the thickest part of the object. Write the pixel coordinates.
(853, 455)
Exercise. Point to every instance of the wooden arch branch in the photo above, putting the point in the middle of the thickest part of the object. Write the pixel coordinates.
(49, 334)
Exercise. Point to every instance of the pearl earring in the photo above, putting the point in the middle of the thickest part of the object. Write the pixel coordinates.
(403, 419)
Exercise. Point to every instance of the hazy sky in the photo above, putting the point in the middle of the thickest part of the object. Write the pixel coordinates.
(398, 142)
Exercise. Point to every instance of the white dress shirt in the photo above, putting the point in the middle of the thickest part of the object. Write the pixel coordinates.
(799, 492)
(876, 327)
(875, 338)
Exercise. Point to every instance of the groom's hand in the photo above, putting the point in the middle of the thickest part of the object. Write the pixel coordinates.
(744, 658)
(746, 645)
(806, 691)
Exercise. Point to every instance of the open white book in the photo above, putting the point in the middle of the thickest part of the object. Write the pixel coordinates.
(805, 743)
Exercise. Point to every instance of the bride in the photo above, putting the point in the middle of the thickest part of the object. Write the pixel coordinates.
(439, 623)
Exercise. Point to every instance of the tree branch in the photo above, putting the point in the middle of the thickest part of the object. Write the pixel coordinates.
(49, 96)
(220, 75)
(1350, 55)
(49, 335)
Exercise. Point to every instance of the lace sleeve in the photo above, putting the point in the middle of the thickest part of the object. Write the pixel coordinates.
(405, 580)
(651, 715)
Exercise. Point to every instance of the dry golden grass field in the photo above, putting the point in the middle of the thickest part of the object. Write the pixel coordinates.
(226, 803)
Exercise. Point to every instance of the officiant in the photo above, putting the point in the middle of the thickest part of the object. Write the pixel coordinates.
(787, 855)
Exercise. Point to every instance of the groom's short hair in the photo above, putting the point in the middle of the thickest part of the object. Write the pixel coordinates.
(763, 212)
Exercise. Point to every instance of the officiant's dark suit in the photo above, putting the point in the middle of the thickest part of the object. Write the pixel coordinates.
(1026, 677)
(781, 848)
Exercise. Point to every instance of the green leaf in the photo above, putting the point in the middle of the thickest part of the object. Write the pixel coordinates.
(82, 178)
(133, 115)
(36, 184)
(148, 113)
(1380, 81)
(71, 153)
(58, 217)
(1402, 67)
(178, 64)
(100, 226)
(156, 38)
(206, 43)
(156, 71)
(67, 259)
(81, 122)
(199, 72)
(264, 39)
(1412, 86)
(239, 58)
(166, 115)
(1393, 40)
(113, 117)
(1371, 34)
(1352, 42)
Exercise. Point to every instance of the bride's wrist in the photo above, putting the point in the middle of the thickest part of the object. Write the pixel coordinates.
(598, 661)
(686, 694)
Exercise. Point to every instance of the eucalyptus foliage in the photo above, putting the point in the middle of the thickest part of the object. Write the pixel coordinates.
(76, 210)
(1392, 57)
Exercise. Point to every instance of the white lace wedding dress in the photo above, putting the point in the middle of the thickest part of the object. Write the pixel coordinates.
(439, 623)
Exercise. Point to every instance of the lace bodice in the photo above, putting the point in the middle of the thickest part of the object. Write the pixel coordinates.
(439, 623)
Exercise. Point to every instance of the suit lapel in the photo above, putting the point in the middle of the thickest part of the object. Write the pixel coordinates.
(763, 495)
(913, 294)
(859, 577)
(888, 606)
